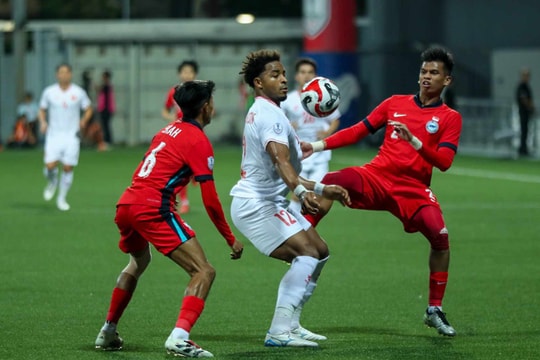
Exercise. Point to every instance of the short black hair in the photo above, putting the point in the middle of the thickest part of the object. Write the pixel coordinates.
(305, 61)
(62, 65)
(192, 95)
(437, 53)
(255, 62)
(191, 63)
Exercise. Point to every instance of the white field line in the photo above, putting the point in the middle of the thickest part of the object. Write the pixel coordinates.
(491, 206)
(495, 175)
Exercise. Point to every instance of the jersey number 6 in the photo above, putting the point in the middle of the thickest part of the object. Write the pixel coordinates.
(150, 161)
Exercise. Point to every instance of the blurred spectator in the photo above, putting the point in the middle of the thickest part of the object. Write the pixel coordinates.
(29, 108)
(92, 134)
(526, 108)
(106, 105)
(22, 136)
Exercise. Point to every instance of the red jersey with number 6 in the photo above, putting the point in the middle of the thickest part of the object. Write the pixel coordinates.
(178, 152)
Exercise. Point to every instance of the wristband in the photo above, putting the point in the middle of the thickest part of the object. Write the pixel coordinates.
(299, 191)
(317, 146)
(318, 188)
(416, 143)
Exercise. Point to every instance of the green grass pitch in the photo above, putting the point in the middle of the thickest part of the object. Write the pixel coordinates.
(57, 270)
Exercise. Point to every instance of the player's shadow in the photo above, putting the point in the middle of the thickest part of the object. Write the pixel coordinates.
(38, 205)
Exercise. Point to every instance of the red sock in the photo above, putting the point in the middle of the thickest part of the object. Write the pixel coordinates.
(313, 219)
(119, 301)
(437, 285)
(190, 311)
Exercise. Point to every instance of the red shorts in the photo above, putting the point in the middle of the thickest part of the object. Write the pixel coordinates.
(372, 190)
(141, 224)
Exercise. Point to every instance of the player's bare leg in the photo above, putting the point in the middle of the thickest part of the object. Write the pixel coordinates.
(190, 256)
(108, 338)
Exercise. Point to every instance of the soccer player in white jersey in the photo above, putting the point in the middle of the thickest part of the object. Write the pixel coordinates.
(60, 120)
(309, 128)
(270, 166)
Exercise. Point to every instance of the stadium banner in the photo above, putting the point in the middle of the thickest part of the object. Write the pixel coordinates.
(330, 38)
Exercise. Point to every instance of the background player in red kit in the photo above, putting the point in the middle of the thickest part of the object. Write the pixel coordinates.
(187, 71)
(422, 133)
(146, 214)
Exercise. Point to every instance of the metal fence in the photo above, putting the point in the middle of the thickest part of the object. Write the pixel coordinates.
(491, 128)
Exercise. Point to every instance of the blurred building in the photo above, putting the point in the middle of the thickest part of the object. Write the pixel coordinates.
(142, 41)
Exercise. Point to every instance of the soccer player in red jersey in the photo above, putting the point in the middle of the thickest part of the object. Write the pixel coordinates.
(146, 214)
(187, 71)
(421, 133)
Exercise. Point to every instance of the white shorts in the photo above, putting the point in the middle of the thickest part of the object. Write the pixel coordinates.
(314, 171)
(64, 149)
(265, 223)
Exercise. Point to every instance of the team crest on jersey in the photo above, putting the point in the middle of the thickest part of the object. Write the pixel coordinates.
(432, 126)
(278, 128)
(211, 162)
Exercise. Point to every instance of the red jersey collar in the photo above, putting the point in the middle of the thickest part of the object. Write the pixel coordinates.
(419, 103)
(192, 122)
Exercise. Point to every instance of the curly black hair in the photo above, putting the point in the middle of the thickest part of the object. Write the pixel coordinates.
(255, 63)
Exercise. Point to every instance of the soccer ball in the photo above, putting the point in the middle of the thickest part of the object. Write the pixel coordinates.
(320, 97)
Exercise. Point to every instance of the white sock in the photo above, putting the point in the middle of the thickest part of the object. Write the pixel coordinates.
(310, 288)
(51, 175)
(179, 333)
(66, 179)
(109, 327)
(291, 291)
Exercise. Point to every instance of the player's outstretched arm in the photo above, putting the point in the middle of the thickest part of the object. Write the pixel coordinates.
(215, 212)
(332, 192)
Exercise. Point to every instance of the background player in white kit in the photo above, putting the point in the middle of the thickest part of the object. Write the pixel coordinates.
(309, 128)
(270, 165)
(62, 103)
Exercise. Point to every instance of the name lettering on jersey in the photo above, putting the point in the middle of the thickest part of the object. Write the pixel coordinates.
(171, 130)
(250, 118)
(278, 129)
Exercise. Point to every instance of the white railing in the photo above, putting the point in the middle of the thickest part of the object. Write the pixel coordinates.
(491, 128)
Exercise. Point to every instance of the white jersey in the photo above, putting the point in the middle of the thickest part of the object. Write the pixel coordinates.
(306, 125)
(265, 122)
(64, 109)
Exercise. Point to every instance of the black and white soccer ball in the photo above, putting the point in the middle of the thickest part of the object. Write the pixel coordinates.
(320, 97)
